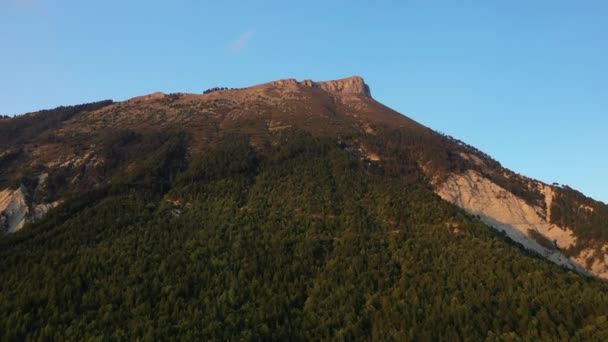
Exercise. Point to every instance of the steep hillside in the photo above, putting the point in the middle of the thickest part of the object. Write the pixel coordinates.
(288, 210)
(308, 241)
(77, 147)
(86, 144)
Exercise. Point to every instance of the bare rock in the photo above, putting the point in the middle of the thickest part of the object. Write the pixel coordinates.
(350, 85)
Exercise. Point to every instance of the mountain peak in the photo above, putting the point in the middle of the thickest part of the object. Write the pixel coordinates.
(349, 85)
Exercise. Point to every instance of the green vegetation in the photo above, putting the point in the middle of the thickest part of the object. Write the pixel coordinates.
(587, 217)
(305, 242)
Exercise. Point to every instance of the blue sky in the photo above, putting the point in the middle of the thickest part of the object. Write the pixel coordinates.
(525, 81)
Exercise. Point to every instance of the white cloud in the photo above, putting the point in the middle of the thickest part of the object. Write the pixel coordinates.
(242, 41)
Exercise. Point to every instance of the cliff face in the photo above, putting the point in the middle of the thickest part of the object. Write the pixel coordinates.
(523, 223)
(16, 209)
(354, 85)
(350, 85)
(13, 210)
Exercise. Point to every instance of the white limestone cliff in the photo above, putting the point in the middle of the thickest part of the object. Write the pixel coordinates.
(520, 221)
(13, 210)
(16, 210)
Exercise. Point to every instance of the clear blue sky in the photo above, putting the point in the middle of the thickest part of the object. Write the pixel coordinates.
(525, 81)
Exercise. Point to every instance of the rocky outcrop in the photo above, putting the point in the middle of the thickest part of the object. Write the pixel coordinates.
(350, 85)
(16, 210)
(523, 223)
(595, 260)
(154, 96)
(13, 210)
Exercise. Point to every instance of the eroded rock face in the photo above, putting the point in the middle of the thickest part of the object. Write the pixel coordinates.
(350, 85)
(16, 211)
(520, 221)
(13, 210)
(345, 86)
(595, 260)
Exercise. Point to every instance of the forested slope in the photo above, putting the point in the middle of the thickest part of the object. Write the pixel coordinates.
(305, 241)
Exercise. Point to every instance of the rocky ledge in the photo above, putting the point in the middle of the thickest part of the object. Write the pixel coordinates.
(349, 85)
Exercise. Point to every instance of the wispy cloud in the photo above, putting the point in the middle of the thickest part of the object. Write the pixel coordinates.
(242, 41)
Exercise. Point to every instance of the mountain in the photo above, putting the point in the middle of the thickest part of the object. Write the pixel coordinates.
(287, 210)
